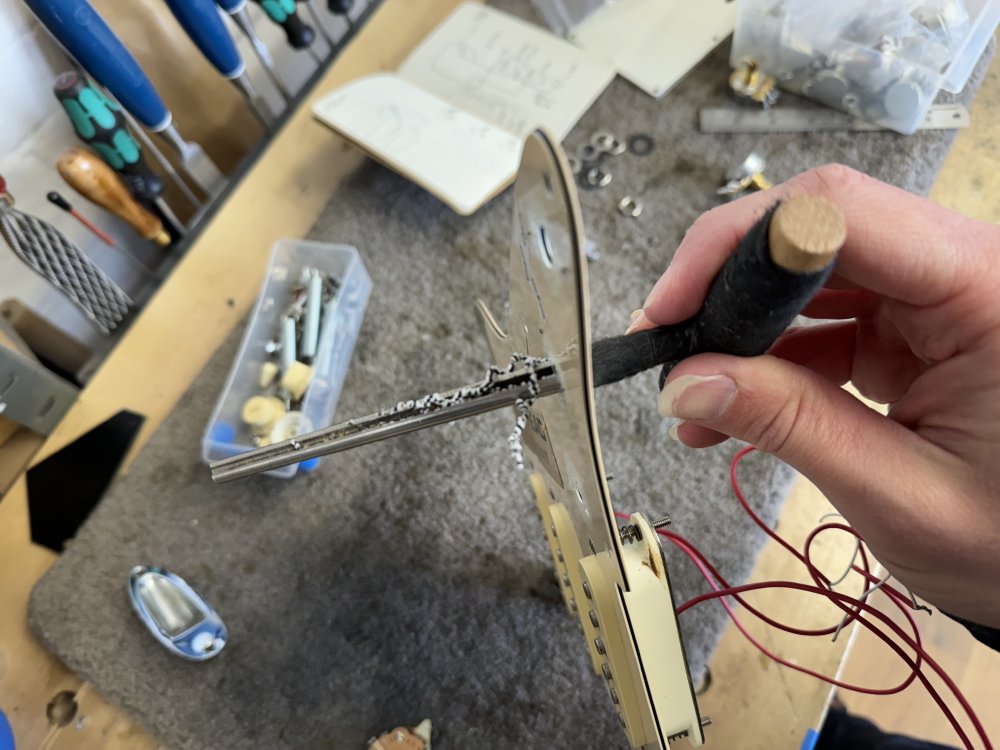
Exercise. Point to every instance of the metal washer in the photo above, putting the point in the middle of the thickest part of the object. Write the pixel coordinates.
(597, 178)
(640, 144)
(630, 207)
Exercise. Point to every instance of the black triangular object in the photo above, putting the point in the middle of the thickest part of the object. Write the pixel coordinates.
(66, 486)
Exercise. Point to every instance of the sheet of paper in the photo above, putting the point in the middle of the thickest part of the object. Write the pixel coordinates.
(654, 43)
(507, 72)
(458, 157)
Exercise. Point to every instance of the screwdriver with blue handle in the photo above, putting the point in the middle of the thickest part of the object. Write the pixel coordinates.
(777, 268)
(100, 124)
(203, 24)
(299, 34)
(95, 47)
(237, 10)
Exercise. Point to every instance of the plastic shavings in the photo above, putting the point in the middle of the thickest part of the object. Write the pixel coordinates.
(491, 382)
(514, 441)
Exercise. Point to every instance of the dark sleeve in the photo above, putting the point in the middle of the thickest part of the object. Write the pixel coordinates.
(987, 636)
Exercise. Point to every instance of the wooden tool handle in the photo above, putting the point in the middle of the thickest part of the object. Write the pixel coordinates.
(777, 268)
(96, 182)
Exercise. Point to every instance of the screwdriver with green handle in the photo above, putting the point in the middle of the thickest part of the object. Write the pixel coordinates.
(100, 124)
(342, 8)
(237, 10)
(299, 34)
(311, 6)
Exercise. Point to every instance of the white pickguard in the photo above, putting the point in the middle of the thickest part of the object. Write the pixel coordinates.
(619, 590)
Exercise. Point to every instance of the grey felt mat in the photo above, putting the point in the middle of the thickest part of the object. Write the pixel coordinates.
(411, 579)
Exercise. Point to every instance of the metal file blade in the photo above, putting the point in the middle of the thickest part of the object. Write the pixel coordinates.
(525, 379)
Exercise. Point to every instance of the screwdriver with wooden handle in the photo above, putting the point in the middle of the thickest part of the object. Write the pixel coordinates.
(95, 181)
(779, 265)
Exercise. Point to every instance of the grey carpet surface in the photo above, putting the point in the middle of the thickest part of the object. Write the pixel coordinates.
(411, 579)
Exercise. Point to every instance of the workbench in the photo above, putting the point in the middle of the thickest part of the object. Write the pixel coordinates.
(753, 702)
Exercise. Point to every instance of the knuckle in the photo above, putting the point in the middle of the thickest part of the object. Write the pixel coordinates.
(715, 226)
(832, 179)
(707, 220)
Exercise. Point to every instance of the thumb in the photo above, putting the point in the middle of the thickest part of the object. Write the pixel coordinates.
(788, 410)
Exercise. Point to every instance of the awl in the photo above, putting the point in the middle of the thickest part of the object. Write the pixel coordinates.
(85, 35)
(203, 24)
(777, 268)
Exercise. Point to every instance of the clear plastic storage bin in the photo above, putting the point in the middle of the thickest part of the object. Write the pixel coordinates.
(883, 60)
(228, 433)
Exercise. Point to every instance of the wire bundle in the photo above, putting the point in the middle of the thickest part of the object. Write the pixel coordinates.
(907, 645)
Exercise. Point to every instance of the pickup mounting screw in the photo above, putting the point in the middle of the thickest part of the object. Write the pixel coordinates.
(630, 533)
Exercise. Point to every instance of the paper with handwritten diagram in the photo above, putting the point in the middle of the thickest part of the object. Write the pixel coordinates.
(453, 118)
(666, 38)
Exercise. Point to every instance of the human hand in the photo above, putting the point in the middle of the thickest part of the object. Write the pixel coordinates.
(916, 291)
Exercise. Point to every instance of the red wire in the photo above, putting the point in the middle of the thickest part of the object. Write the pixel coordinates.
(897, 597)
(821, 580)
(818, 578)
(709, 572)
(850, 605)
(684, 545)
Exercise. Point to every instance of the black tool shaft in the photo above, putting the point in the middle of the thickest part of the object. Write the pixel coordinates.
(749, 304)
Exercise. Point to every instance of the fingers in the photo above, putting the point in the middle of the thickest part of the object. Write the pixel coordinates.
(918, 505)
(898, 245)
(695, 436)
(790, 411)
(885, 366)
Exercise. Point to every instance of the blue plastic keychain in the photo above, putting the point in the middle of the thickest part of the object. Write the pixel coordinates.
(175, 614)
